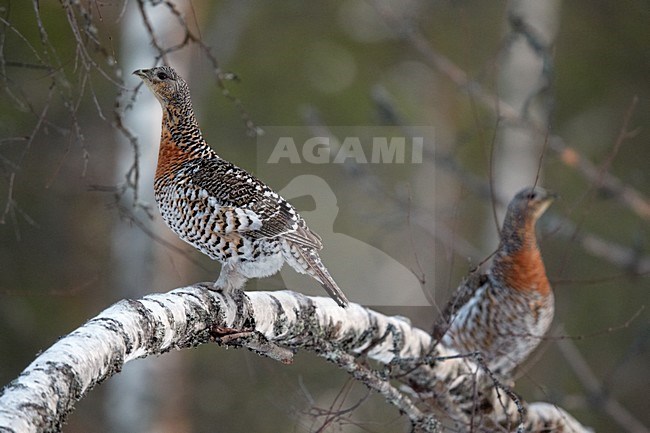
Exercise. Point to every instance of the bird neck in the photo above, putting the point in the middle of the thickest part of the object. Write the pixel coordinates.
(518, 261)
(518, 232)
(180, 141)
(180, 128)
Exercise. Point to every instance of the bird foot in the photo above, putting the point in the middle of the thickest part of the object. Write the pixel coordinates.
(225, 335)
(217, 288)
(253, 340)
(208, 285)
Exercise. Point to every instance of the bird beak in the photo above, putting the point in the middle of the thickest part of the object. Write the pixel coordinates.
(142, 73)
(552, 195)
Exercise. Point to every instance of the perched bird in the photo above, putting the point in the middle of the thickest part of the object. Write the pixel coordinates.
(219, 208)
(504, 313)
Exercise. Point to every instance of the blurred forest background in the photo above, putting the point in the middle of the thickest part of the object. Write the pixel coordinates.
(79, 229)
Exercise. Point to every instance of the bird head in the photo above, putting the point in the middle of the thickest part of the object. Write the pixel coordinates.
(531, 202)
(168, 87)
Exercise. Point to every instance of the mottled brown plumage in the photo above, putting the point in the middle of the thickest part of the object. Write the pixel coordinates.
(504, 313)
(219, 208)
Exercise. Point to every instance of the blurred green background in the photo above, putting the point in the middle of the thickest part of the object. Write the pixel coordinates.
(72, 240)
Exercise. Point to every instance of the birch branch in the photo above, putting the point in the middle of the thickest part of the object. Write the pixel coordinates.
(435, 382)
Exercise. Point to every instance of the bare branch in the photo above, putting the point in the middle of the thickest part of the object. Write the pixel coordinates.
(623, 192)
(600, 399)
(189, 37)
(622, 256)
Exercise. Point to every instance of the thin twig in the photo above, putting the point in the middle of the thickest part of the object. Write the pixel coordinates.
(599, 399)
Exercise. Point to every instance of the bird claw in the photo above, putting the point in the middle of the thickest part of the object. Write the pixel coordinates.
(226, 335)
(213, 286)
(252, 340)
(208, 285)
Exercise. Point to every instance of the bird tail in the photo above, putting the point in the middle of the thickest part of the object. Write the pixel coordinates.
(312, 265)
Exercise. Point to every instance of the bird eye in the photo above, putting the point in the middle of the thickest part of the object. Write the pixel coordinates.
(162, 76)
(531, 195)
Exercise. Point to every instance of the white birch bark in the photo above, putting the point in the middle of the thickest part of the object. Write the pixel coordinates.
(136, 400)
(524, 75)
(274, 324)
(130, 402)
